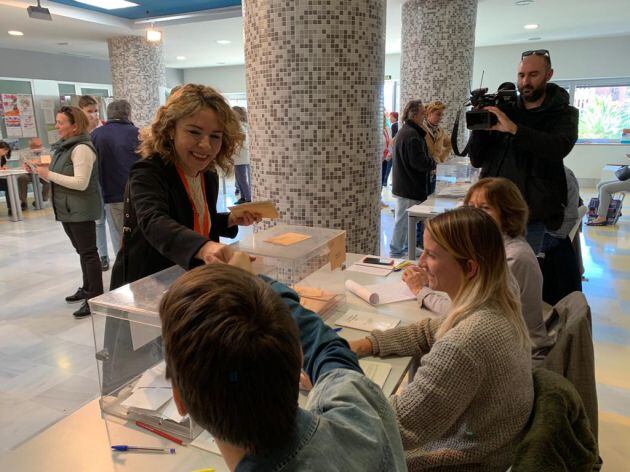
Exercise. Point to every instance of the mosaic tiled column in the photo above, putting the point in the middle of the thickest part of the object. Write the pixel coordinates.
(438, 45)
(138, 72)
(314, 92)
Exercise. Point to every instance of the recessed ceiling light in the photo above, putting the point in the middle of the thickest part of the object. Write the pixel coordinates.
(224, 41)
(531, 26)
(109, 4)
(522, 3)
(154, 35)
(220, 63)
(16, 33)
(181, 58)
(535, 38)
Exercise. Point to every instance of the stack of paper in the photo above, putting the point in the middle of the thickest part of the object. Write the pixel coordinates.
(365, 321)
(316, 299)
(458, 190)
(288, 239)
(152, 395)
(372, 269)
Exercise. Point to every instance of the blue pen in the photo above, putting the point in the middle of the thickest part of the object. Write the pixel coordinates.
(337, 329)
(160, 450)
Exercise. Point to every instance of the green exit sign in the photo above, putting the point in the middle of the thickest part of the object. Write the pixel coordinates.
(388, 77)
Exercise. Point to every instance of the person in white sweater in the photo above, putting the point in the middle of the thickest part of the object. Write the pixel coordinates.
(502, 200)
(471, 397)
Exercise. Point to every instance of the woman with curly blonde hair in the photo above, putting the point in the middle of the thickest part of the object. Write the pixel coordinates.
(170, 202)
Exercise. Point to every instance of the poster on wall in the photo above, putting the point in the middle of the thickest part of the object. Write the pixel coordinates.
(19, 115)
(29, 130)
(10, 104)
(25, 105)
(14, 126)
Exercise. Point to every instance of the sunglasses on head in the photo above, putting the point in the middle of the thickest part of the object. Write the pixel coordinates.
(536, 52)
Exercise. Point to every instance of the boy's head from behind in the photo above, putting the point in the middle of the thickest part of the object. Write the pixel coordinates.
(233, 355)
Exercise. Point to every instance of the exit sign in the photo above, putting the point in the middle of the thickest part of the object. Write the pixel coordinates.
(388, 77)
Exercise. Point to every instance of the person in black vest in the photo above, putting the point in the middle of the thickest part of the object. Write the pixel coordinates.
(170, 206)
(76, 198)
(529, 146)
(411, 173)
(5, 154)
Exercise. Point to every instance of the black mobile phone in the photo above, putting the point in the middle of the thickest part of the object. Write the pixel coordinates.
(376, 260)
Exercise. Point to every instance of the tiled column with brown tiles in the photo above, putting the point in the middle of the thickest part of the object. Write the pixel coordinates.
(315, 71)
(438, 45)
(138, 75)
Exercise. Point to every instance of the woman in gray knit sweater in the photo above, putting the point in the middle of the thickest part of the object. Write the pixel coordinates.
(472, 395)
(502, 200)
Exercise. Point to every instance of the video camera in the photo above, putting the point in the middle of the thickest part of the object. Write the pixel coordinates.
(505, 99)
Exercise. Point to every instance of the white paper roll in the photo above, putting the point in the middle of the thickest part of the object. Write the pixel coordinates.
(362, 292)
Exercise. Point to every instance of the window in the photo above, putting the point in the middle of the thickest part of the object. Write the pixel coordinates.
(604, 106)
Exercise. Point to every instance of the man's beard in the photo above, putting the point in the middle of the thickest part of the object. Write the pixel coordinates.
(535, 94)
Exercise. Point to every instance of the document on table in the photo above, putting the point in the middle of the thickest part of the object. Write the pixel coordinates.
(380, 294)
(365, 321)
(287, 239)
(381, 271)
(206, 442)
(377, 372)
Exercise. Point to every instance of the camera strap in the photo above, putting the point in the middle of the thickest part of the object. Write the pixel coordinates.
(454, 139)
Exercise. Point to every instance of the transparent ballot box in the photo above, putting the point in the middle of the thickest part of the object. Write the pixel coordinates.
(129, 354)
(290, 253)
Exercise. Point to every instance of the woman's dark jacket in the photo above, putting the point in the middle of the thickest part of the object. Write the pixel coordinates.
(412, 164)
(158, 222)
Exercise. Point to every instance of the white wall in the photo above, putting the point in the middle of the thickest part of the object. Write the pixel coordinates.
(229, 79)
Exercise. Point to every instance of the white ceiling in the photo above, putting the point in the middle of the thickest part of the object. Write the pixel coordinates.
(498, 22)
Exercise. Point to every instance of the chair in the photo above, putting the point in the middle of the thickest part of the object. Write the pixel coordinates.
(572, 355)
(558, 435)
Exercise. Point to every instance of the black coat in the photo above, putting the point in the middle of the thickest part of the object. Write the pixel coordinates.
(411, 171)
(161, 222)
(116, 143)
(533, 158)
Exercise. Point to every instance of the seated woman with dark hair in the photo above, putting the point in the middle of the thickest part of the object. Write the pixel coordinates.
(502, 200)
(471, 397)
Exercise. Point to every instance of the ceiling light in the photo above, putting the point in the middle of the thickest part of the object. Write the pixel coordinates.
(39, 13)
(535, 38)
(224, 41)
(154, 35)
(109, 4)
(531, 26)
(16, 33)
(181, 58)
(522, 3)
(220, 63)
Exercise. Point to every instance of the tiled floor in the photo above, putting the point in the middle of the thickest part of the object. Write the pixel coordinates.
(47, 367)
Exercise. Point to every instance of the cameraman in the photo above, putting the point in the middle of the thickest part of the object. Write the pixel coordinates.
(528, 146)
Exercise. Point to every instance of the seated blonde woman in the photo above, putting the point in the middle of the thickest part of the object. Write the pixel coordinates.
(502, 200)
(472, 395)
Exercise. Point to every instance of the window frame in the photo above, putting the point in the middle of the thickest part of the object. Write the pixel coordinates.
(573, 84)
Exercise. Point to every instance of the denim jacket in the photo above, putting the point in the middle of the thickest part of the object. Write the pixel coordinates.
(347, 424)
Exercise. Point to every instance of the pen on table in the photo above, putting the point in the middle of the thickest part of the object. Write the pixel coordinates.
(160, 433)
(337, 329)
(159, 450)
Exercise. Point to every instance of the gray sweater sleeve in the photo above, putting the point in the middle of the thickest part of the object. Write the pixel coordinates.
(412, 340)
